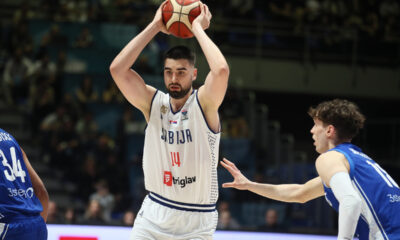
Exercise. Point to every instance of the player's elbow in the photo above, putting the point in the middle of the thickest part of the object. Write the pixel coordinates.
(224, 71)
(117, 70)
(114, 69)
(221, 72)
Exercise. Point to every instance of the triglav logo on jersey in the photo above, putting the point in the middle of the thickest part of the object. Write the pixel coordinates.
(169, 180)
(184, 114)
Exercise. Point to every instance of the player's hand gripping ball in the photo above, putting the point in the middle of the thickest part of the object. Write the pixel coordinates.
(178, 16)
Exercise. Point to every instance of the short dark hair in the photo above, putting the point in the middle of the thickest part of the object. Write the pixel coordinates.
(344, 115)
(181, 52)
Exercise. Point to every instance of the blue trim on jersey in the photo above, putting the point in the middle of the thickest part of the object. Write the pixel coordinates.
(206, 207)
(349, 160)
(201, 109)
(371, 208)
(170, 106)
(181, 203)
(151, 106)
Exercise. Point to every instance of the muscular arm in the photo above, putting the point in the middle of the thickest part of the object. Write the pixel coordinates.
(299, 193)
(129, 81)
(38, 187)
(212, 93)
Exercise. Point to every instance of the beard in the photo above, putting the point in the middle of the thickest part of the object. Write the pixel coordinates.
(178, 94)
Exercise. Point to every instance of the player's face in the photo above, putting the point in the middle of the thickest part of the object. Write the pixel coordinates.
(178, 76)
(319, 135)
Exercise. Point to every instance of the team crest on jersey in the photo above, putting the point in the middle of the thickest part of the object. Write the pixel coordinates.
(184, 114)
(164, 109)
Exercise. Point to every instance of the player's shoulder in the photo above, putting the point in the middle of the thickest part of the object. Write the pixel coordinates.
(5, 136)
(332, 154)
(159, 96)
(330, 158)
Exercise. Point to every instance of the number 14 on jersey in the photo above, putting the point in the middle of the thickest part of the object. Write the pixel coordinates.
(175, 159)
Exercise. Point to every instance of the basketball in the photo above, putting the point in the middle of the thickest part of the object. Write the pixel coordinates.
(178, 16)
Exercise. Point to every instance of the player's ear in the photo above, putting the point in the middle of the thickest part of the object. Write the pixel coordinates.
(194, 74)
(330, 130)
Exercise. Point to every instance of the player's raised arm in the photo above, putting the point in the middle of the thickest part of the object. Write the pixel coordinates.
(299, 193)
(212, 93)
(38, 187)
(129, 81)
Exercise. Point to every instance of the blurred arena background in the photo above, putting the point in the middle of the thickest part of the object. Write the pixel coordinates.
(58, 99)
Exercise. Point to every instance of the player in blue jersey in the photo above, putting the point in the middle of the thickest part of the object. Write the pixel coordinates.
(23, 196)
(366, 197)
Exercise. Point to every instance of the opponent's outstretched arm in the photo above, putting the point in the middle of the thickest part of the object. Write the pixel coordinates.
(299, 193)
(129, 81)
(212, 93)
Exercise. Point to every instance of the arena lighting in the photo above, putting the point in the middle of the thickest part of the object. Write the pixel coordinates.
(80, 232)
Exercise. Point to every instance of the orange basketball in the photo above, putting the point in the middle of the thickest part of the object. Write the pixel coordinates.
(178, 16)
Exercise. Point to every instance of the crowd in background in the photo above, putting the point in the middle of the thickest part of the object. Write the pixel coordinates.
(67, 133)
(375, 21)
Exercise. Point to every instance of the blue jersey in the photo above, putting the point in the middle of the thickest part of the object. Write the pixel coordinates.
(17, 198)
(380, 195)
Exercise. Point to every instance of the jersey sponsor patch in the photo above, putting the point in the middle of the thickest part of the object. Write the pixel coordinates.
(182, 182)
(167, 178)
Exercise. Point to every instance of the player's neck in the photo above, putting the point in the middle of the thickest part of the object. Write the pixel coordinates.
(177, 104)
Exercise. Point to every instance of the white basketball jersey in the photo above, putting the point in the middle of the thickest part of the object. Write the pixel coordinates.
(180, 154)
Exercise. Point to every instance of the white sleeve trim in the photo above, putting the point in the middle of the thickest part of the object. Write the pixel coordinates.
(349, 204)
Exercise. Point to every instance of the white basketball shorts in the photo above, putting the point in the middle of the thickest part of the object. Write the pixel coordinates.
(163, 219)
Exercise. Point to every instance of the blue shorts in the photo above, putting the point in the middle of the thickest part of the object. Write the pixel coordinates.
(32, 229)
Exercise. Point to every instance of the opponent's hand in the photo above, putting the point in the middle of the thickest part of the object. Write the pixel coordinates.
(158, 19)
(240, 181)
(204, 19)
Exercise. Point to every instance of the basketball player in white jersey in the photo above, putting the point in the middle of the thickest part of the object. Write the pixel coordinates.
(182, 134)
